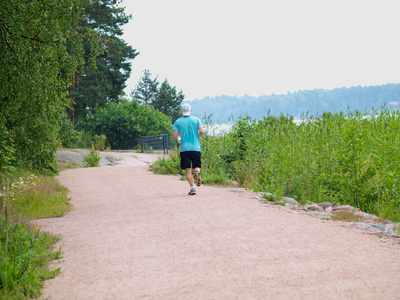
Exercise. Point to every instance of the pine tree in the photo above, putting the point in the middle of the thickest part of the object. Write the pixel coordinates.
(146, 89)
(168, 101)
(103, 75)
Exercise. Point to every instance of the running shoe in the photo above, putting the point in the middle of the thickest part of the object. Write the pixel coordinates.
(197, 178)
(192, 191)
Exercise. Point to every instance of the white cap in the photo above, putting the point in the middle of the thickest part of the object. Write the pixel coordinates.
(186, 110)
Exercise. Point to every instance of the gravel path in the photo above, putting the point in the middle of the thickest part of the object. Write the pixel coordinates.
(136, 235)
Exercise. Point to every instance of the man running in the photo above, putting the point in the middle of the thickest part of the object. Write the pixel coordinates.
(191, 131)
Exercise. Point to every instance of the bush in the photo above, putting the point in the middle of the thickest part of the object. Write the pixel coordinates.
(124, 123)
(93, 159)
(85, 140)
(170, 165)
(99, 142)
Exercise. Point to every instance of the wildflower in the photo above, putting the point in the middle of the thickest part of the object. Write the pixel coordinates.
(36, 229)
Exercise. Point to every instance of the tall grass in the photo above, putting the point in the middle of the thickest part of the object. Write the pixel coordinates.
(345, 158)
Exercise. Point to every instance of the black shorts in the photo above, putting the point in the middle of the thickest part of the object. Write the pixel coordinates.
(190, 159)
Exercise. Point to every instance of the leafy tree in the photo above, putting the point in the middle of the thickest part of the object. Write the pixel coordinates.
(168, 101)
(125, 122)
(146, 90)
(102, 79)
(37, 64)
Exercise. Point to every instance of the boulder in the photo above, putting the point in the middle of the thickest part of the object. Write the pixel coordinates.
(290, 201)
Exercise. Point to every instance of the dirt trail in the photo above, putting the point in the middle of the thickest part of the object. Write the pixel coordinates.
(136, 235)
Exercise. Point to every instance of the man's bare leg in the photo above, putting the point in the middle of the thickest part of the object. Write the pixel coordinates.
(189, 176)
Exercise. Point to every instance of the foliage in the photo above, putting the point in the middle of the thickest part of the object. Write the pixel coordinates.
(25, 254)
(39, 52)
(107, 63)
(85, 140)
(124, 123)
(7, 161)
(146, 89)
(92, 159)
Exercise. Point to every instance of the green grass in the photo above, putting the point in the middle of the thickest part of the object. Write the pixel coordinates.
(26, 252)
(44, 200)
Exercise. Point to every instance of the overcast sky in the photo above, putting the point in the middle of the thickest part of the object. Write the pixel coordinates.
(259, 47)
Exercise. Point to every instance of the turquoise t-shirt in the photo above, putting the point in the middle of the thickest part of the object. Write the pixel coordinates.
(188, 129)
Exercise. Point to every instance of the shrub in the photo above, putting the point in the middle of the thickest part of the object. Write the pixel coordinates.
(169, 165)
(125, 122)
(99, 142)
(93, 159)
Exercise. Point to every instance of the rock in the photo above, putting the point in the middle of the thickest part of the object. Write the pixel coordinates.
(370, 225)
(348, 208)
(325, 205)
(288, 209)
(313, 207)
(328, 209)
(290, 201)
(322, 214)
(366, 216)
(391, 226)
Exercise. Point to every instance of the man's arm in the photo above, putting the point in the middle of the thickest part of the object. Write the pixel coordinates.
(175, 134)
(201, 131)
